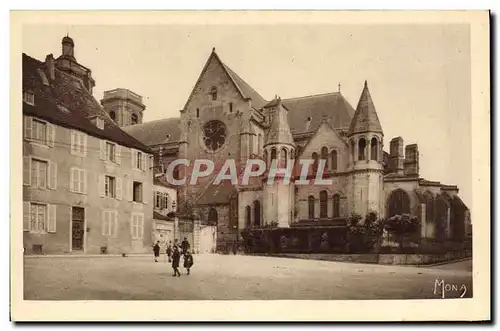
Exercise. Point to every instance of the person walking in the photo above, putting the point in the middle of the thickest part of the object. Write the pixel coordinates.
(185, 246)
(188, 261)
(169, 251)
(176, 256)
(156, 250)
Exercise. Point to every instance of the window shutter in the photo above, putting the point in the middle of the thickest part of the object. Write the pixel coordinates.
(103, 150)
(132, 226)
(129, 190)
(144, 163)
(26, 215)
(84, 136)
(102, 192)
(51, 134)
(84, 179)
(73, 142)
(28, 127)
(51, 218)
(26, 170)
(118, 154)
(118, 188)
(115, 224)
(144, 193)
(72, 179)
(142, 226)
(134, 158)
(104, 223)
(52, 175)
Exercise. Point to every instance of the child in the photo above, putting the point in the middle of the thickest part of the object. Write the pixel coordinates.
(169, 252)
(176, 256)
(156, 250)
(188, 261)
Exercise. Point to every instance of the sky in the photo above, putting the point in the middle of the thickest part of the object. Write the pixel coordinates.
(419, 75)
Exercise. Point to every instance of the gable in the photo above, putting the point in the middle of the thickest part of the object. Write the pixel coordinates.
(230, 88)
(325, 136)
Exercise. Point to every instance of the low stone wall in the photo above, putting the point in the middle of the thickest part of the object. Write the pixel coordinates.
(387, 259)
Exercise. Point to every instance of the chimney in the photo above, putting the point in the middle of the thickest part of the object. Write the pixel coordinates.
(50, 66)
(411, 164)
(396, 156)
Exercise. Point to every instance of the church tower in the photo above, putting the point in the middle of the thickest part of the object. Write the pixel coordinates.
(123, 106)
(278, 195)
(365, 158)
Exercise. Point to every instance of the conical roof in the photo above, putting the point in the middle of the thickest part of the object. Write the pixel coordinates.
(279, 131)
(365, 118)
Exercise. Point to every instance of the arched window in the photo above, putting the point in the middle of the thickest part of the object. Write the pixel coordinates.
(374, 149)
(112, 114)
(273, 156)
(429, 207)
(362, 149)
(284, 158)
(324, 156)
(336, 205)
(213, 92)
(256, 212)
(134, 119)
(310, 201)
(334, 160)
(315, 157)
(398, 203)
(248, 216)
(323, 204)
(213, 217)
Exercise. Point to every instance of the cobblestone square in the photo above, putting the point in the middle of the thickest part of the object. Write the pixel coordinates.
(229, 277)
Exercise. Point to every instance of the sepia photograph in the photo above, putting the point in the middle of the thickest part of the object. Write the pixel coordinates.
(245, 157)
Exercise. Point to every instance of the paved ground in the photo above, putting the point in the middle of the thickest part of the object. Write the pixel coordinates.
(232, 277)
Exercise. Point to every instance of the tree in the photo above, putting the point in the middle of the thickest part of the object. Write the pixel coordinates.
(362, 236)
(402, 227)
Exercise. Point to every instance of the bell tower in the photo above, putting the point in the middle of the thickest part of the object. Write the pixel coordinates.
(123, 106)
(365, 158)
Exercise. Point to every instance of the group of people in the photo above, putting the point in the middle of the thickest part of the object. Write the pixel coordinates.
(174, 253)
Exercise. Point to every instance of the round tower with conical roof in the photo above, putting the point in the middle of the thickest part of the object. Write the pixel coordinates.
(365, 158)
(279, 151)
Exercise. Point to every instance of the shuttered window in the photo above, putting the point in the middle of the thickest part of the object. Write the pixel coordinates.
(78, 143)
(78, 180)
(39, 218)
(137, 226)
(110, 223)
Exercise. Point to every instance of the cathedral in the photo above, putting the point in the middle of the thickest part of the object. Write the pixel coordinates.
(225, 118)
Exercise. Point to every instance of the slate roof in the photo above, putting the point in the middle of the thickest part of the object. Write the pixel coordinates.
(365, 118)
(331, 105)
(217, 194)
(247, 91)
(158, 216)
(156, 132)
(279, 131)
(68, 92)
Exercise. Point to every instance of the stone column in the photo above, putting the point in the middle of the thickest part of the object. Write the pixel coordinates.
(423, 219)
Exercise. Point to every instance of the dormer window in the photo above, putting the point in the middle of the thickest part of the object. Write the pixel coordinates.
(100, 123)
(29, 97)
(213, 93)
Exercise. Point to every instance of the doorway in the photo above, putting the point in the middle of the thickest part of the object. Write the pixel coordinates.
(77, 228)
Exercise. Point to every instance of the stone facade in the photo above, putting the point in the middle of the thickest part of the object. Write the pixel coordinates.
(323, 127)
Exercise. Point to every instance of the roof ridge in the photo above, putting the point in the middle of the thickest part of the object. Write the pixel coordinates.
(313, 95)
(153, 121)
